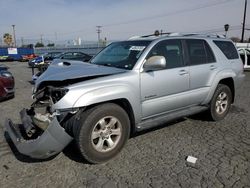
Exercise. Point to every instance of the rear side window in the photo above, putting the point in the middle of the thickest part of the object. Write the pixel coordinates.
(199, 52)
(228, 49)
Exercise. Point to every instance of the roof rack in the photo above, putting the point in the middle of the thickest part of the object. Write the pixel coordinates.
(156, 34)
(204, 34)
(173, 34)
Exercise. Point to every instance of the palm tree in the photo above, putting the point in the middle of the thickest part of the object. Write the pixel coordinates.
(7, 38)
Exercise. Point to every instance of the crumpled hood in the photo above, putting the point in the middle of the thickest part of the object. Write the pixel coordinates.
(60, 70)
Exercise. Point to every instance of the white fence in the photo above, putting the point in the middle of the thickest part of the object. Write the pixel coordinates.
(87, 50)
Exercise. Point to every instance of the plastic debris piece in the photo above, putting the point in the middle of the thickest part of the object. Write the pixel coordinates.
(191, 159)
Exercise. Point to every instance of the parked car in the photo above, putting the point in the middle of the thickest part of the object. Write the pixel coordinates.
(129, 86)
(42, 59)
(245, 57)
(7, 83)
(6, 58)
(3, 58)
(28, 57)
(77, 56)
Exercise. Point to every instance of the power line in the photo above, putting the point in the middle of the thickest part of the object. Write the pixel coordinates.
(158, 16)
(169, 14)
(220, 29)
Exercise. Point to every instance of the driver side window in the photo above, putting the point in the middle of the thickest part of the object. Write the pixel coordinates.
(171, 50)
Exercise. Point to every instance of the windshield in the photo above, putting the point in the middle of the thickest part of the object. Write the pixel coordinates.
(121, 54)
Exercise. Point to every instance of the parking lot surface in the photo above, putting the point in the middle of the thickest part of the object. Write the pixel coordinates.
(153, 159)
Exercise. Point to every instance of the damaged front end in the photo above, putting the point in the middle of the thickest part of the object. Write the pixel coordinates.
(41, 135)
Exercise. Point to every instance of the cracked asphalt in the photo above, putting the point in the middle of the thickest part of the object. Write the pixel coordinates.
(155, 158)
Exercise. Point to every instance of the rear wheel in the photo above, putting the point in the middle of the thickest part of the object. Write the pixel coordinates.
(102, 132)
(220, 103)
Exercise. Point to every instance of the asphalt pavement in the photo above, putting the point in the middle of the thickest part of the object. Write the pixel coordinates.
(156, 158)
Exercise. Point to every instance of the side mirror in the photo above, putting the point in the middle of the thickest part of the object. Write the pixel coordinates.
(155, 63)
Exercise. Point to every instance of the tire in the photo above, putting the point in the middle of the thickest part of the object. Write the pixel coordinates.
(220, 103)
(102, 132)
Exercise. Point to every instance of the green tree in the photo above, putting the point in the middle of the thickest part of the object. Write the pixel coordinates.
(51, 45)
(39, 44)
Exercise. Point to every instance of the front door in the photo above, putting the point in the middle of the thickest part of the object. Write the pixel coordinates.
(165, 90)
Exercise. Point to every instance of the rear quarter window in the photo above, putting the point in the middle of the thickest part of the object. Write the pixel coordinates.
(199, 52)
(228, 49)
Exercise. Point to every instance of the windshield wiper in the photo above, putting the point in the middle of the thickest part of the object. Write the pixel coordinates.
(111, 65)
(105, 64)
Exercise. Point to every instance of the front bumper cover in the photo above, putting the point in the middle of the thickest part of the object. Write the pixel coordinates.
(52, 141)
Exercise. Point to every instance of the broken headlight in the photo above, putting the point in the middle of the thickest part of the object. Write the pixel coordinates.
(57, 93)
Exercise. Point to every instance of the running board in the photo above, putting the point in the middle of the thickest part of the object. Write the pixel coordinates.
(159, 120)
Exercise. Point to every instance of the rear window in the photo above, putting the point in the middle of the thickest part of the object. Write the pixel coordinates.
(199, 52)
(228, 49)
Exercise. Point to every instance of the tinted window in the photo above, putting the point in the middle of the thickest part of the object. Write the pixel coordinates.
(209, 53)
(79, 55)
(67, 56)
(171, 50)
(199, 52)
(228, 49)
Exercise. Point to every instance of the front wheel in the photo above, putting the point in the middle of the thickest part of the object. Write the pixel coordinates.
(220, 103)
(102, 133)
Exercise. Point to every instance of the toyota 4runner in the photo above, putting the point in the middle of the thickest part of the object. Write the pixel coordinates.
(129, 86)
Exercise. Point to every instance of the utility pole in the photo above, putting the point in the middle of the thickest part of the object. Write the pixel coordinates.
(22, 41)
(244, 21)
(55, 38)
(14, 35)
(98, 34)
(41, 38)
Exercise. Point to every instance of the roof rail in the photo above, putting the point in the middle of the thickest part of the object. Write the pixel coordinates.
(156, 35)
(173, 34)
(204, 34)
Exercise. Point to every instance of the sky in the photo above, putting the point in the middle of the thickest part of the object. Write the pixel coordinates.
(59, 21)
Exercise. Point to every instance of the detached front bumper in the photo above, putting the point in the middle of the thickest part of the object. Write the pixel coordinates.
(50, 142)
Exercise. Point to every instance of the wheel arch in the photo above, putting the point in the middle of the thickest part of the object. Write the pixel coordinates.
(125, 105)
(230, 83)
(224, 77)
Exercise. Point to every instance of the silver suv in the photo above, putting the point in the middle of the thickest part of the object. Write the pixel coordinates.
(129, 86)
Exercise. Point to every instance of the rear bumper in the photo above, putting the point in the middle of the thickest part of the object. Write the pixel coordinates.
(50, 142)
(6, 93)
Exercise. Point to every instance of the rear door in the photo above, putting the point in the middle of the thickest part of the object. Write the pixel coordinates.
(203, 68)
(165, 90)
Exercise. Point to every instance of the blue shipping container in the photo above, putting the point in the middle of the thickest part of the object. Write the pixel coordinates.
(16, 53)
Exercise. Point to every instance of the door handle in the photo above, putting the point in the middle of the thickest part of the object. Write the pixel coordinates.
(183, 72)
(212, 67)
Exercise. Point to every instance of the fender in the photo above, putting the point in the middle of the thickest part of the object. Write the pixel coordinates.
(90, 94)
(109, 93)
(218, 77)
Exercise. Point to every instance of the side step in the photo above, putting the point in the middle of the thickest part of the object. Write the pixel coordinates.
(159, 120)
